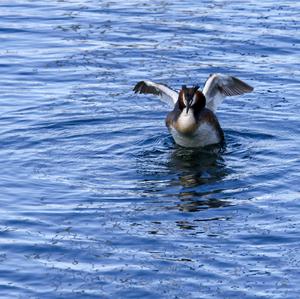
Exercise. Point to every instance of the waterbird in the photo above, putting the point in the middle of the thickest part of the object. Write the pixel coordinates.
(193, 122)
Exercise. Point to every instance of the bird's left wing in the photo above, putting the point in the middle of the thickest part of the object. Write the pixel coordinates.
(165, 93)
(218, 86)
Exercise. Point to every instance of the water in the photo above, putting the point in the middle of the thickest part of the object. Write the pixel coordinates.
(96, 199)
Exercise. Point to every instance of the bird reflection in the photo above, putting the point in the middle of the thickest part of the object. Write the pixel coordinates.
(189, 179)
(197, 165)
(196, 201)
(196, 168)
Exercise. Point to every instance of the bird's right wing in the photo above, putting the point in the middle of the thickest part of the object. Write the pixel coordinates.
(165, 93)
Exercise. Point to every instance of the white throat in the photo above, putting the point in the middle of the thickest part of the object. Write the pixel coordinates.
(186, 121)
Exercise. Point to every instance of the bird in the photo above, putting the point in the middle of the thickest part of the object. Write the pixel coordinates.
(193, 122)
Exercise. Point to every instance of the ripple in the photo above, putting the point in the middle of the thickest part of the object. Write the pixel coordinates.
(97, 200)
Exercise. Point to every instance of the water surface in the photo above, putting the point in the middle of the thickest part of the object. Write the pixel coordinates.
(96, 199)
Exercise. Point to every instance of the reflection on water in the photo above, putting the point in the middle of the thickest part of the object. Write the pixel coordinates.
(196, 167)
(191, 172)
(195, 201)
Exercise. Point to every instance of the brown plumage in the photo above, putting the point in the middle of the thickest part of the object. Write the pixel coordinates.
(189, 114)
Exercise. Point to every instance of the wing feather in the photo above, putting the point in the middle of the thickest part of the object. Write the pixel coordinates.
(165, 93)
(218, 86)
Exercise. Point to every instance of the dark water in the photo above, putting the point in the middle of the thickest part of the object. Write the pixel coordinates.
(96, 199)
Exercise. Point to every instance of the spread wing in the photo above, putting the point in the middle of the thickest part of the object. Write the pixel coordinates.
(165, 93)
(218, 86)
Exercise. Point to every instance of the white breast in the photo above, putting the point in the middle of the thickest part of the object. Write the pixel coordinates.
(205, 135)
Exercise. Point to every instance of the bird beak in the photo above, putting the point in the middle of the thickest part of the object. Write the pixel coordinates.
(188, 106)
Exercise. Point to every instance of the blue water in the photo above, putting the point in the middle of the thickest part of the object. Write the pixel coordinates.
(96, 199)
